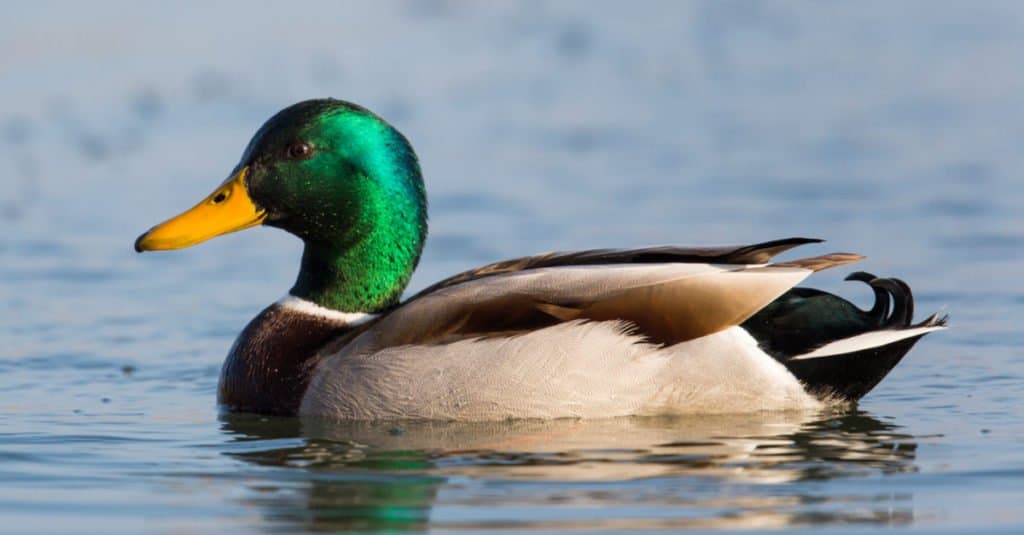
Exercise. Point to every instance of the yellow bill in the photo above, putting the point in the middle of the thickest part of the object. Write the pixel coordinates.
(228, 209)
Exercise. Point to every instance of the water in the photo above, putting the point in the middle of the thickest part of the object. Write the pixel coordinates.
(893, 130)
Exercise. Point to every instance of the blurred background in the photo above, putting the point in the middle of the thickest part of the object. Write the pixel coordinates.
(890, 129)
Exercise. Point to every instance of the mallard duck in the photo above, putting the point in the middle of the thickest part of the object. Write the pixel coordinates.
(598, 333)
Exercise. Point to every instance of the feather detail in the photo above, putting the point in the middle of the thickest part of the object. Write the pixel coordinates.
(758, 253)
(867, 340)
(667, 303)
(818, 263)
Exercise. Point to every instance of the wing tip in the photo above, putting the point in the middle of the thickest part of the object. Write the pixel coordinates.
(818, 263)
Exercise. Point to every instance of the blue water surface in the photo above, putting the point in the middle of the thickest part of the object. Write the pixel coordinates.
(890, 129)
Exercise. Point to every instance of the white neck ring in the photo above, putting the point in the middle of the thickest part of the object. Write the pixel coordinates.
(310, 308)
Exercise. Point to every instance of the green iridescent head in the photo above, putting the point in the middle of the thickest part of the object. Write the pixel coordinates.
(338, 177)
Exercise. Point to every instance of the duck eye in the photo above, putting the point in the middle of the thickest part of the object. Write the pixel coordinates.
(300, 150)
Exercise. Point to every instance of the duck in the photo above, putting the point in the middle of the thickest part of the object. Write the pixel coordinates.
(664, 330)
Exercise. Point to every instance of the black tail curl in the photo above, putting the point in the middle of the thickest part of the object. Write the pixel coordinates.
(804, 319)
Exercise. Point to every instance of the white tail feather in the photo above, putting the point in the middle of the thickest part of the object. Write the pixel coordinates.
(866, 341)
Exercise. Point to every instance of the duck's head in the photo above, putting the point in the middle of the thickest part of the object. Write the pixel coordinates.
(338, 177)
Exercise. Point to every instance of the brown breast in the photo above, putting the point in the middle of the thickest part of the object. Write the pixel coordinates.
(267, 369)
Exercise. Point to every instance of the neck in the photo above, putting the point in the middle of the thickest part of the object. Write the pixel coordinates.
(368, 271)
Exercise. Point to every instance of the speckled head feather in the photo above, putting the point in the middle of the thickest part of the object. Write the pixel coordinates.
(349, 185)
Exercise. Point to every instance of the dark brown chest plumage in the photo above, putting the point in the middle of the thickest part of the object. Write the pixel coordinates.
(267, 370)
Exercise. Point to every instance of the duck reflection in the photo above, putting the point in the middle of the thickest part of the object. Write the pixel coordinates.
(710, 471)
(330, 485)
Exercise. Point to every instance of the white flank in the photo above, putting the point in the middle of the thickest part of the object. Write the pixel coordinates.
(866, 341)
(312, 309)
(573, 369)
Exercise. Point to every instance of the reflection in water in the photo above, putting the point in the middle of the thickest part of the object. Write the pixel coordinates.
(340, 485)
(411, 475)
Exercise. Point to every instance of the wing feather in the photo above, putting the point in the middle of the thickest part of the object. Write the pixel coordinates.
(669, 294)
(667, 303)
(758, 253)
